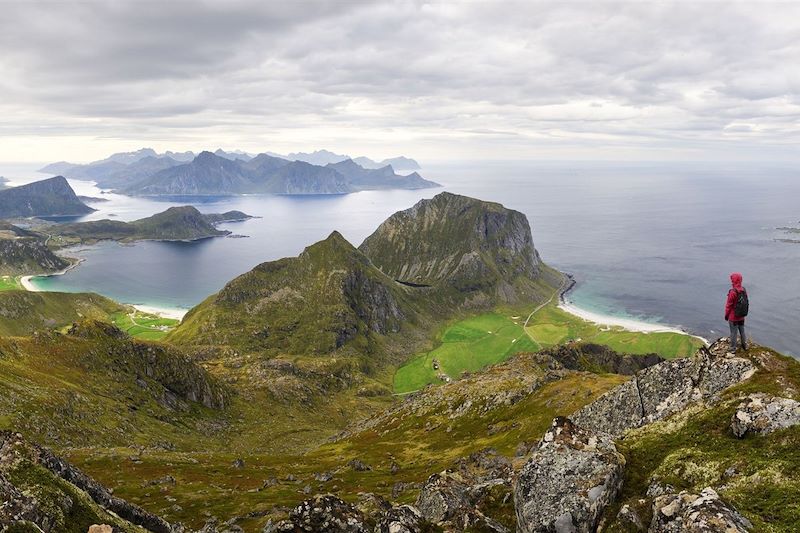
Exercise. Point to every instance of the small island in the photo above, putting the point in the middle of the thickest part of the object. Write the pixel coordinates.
(183, 223)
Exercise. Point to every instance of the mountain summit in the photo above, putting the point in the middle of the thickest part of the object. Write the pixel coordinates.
(50, 197)
(466, 248)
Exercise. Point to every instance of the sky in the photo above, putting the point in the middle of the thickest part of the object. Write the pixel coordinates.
(435, 81)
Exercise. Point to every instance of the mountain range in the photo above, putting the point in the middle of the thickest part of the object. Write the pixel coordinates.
(271, 407)
(146, 172)
(50, 197)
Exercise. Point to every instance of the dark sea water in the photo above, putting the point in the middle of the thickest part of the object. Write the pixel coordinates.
(651, 241)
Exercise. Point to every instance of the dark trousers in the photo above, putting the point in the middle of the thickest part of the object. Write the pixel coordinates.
(737, 327)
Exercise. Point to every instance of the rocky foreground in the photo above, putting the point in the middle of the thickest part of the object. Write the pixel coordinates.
(584, 474)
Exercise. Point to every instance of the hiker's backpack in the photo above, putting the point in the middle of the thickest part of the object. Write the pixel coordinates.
(742, 305)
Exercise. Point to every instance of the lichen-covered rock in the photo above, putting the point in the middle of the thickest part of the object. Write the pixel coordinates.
(761, 413)
(662, 390)
(628, 517)
(454, 498)
(321, 514)
(568, 481)
(443, 496)
(402, 519)
(704, 513)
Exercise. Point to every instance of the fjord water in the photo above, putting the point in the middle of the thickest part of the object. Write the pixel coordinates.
(653, 241)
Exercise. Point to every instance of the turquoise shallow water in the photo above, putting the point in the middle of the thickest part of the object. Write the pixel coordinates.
(647, 240)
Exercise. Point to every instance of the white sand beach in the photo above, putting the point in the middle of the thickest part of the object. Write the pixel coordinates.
(619, 322)
(165, 312)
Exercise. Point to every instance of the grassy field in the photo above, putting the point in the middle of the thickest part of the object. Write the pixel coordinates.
(144, 326)
(474, 343)
(9, 283)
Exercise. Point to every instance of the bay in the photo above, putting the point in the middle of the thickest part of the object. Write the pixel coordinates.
(652, 241)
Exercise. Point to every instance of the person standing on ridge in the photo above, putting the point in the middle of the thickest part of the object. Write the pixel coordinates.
(736, 308)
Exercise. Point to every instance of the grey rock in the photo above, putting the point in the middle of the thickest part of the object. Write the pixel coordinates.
(761, 413)
(662, 390)
(402, 519)
(675, 513)
(359, 466)
(443, 497)
(630, 518)
(321, 514)
(567, 482)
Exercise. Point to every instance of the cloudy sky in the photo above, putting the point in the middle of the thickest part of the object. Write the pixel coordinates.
(441, 80)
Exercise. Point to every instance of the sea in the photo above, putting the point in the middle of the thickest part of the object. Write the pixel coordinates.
(649, 241)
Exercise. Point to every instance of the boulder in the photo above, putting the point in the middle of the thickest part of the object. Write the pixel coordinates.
(321, 514)
(662, 390)
(568, 480)
(454, 498)
(676, 513)
(761, 413)
(402, 519)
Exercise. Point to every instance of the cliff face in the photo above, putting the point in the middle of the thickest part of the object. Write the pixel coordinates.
(50, 197)
(460, 246)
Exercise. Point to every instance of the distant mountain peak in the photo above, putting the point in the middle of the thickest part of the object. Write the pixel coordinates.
(48, 197)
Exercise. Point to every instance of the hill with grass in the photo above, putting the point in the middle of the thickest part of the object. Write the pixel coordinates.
(22, 312)
(25, 252)
(184, 223)
(50, 197)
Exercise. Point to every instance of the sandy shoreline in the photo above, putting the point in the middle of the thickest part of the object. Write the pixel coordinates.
(629, 324)
(166, 312)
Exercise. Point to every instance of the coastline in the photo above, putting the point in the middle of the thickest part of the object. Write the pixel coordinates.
(165, 312)
(26, 283)
(629, 324)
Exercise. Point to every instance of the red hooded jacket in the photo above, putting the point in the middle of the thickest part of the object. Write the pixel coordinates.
(730, 303)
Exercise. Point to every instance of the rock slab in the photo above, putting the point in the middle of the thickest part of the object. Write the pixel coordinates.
(568, 481)
(662, 390)
(703, 513)
(760, 413)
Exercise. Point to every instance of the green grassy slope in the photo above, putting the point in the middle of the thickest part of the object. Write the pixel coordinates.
(176, 223)
(22, 312)
(96, 385)
(476, 342)
(421, 436)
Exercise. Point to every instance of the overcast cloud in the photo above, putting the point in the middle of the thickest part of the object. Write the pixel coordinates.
(431, 80)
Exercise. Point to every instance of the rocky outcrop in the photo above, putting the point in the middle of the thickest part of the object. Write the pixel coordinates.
(761, 413)
(676, 513)
(454, 499)
(602, 359)
(664, 389)
(324, 513)
(568, 480)
(402, 519)
(47, 502)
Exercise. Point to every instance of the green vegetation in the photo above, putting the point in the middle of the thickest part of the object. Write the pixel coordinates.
(9, 283)
(176, 223)
(551, 326)
(474, 343)
(23, 312)
(759, 475)
(144, 325)
(429, 440)
(469, 345)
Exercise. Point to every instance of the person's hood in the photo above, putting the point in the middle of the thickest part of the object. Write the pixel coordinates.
(736, 281)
